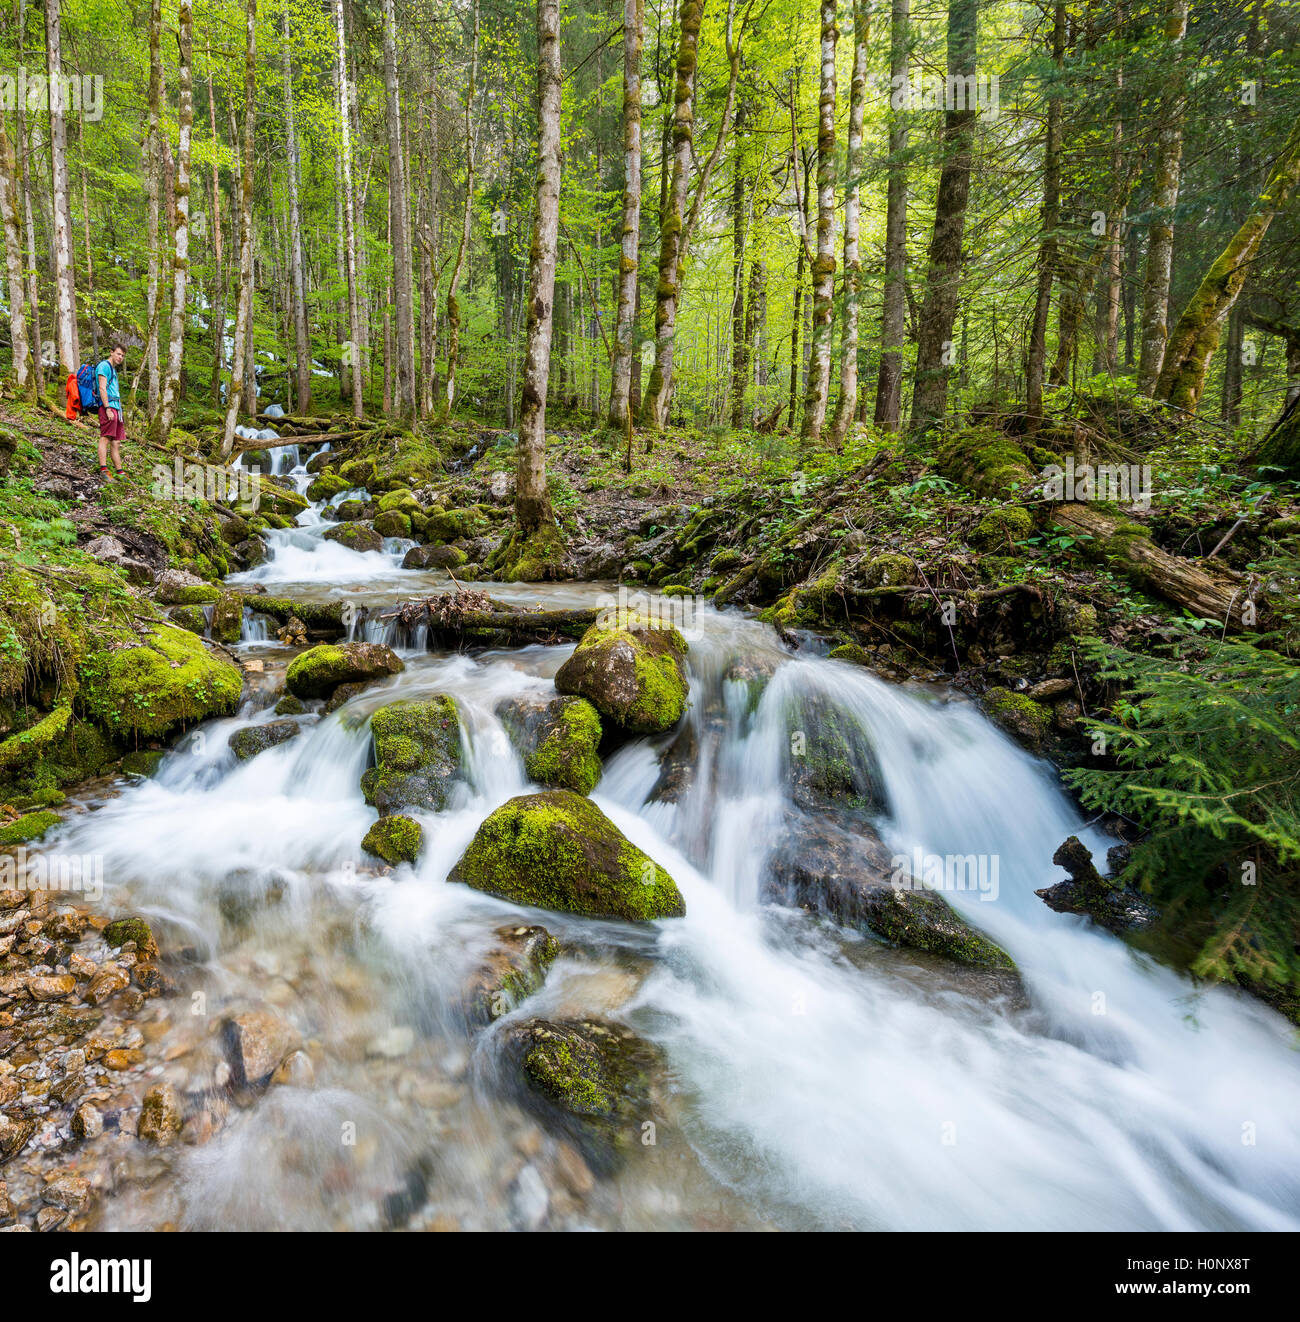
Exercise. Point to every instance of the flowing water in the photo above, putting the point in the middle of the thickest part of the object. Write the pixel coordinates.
(814, 1078)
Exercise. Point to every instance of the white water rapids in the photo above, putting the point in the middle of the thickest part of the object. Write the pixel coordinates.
(816, 1078)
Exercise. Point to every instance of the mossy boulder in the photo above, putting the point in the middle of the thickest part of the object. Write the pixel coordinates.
(417, 755)
(348, 510)
(290, 706)
(631, 672)
(537, 558)
(401, 500)
(227, 623)
(143, 762)
(985, 461)
(122, 930)
(327, 485)
(558, 741)
(396, 839)
(1024, 719)
(392, 523)
(854, 653)
(254, 739)
(1002, 528)
(356, 536)
(317, 672)
(157, 684)
(557, 850)
(832, 764)
(193, 618)
(434, 557)
(31, 826)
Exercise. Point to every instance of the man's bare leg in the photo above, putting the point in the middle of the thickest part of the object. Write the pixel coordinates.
(103, 450)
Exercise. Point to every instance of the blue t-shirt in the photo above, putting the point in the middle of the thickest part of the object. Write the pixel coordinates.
(108, 371)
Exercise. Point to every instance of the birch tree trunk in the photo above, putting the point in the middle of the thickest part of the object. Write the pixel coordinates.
(403, 277)
(943, 278)
(64, 271)
(352, 363)
(218, 302)
(1050, 213)
(1160, 250)
(244, 310)
(297, 282)
(25, 186)
(153, 156)
(823, 272)
(161, 424)
(24, 377)
(453, 285)
(532, 501)
(847, 407)
(620, 385)
(893, 321)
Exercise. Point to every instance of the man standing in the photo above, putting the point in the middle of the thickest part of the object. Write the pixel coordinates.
(112, 427)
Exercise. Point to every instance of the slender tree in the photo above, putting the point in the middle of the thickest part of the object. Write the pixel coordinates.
(64, 270)
(620, 385)
(24, 376)
(352, 358)
(889, 382)
(301, 335)
(403, 275)
(467, 216)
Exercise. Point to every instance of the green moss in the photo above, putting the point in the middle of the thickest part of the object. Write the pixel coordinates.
(155, 685)
(290, 706)
(355, 536)
(122, 930)
(197, 594)
(631, 672)
(557, 850)
(395, 839)
(33, 826)
(31, 743)
(327, 485)
(417, 755)
(853, 652)
(193, 618)
(144, 762)
(1001, 527)
(227, 623)
(317, 672)
(392, 523)
(565, 756)
(1022, 717)
(533, 559)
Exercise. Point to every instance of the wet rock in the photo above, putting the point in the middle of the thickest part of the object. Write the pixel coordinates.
(513, 970)
(87, 1122)
(317, 672)
(392, 1043)
(227, 622)
(434, 557)
(558, 739)
(160, 1115)
(1106, 902)
(291, 706)
(295, 1071)
(69, 1192)
(396, 839)
(143, 763)
(417, 755)
(15, 1131)
(255, 1042)
(557, 850)
(677, 766)
(850, 876)
(356, 536)
(254, 739)
(123, 930)
(53, 988)
(832, 764)
(7, 1211)
(1023, 718)
(631, 672)
(106, 983)
(591, 1078)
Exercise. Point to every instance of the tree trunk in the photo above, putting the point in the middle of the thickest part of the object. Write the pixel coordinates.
(403, 278)
(1050, 213)
(823, 272)
(64, 271)
(532, 502)
(620, 385)
(24, 377)
(1196, 336)
(352, 358)
(740, 342)
(846, 409)
(29, 226)
(160, 424)
(453, 286)
(297, 281)
(153, 310)
(889, 382)
(943, 279)
(217, 311)
(244, 310)
(1160, 250)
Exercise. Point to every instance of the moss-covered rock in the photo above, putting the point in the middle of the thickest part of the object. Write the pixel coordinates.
(854, 653)
(558, 741)
(514, 968)
(417, 755)
(143, 762)
(631, 672)
(290, 706)
(122, 930)
(193, 618)
(985, 461)
(557, 850)
(392, 523)
(317, 672)
(1019, 715)
(157, 684)
(396, 839)
(254, 739)
(537, 558)
(31, 826)
(833, 764)
(227, 623)
(356, 537)
(434, 557)
(326, 486)
(1002, 527)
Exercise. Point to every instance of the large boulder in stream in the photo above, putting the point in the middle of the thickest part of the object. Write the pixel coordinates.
(557, 850)
(631, 672)
(850, 876)
(396, 839)
(254, 739)
(558, 740)
(356, 536)
(417, 755)
(317, 672)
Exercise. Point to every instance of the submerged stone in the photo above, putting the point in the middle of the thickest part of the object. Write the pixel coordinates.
(254, 739)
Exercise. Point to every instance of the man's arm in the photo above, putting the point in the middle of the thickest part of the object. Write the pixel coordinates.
(102, 378)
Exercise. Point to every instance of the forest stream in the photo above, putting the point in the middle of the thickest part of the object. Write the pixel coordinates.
(806, 1076)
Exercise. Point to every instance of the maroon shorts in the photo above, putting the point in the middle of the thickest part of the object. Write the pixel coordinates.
(114, 430)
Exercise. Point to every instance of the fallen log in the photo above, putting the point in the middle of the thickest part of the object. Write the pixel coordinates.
(529, 625)
(1209, 593)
